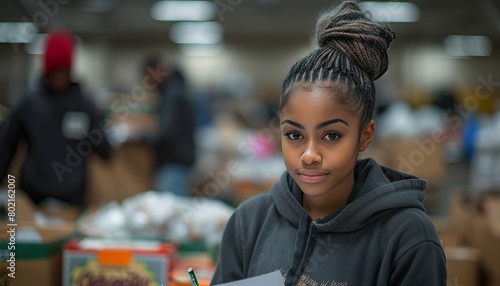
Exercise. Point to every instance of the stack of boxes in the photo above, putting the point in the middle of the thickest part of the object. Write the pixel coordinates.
(35, 248)
(472, 240)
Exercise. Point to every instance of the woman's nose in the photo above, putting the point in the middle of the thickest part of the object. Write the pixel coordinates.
(311, 154)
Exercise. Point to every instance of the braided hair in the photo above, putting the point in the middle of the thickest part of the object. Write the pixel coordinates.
(351, 54)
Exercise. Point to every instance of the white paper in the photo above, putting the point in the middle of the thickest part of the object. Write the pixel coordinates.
(270, 279)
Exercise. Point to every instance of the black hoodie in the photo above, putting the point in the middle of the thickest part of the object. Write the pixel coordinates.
(174, 141)
(61, 130)
(381, 237)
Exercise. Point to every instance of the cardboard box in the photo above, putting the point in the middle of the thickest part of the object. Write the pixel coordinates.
(449, 239)
(491, 254)
(475, 233)
(447, 235)
(37, 248)
(129, 172)
(492, 213)
(491, 240)
(26, 210)
(94, 261)
(422, 157)
(463, 214)
(36, 262)
(462, 264)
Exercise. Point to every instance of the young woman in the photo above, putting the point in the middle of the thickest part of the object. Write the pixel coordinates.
(333, 219)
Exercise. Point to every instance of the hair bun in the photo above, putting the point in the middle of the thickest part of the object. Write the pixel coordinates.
(348, 30)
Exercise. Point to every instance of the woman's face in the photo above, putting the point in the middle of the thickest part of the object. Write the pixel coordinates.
(321, 142)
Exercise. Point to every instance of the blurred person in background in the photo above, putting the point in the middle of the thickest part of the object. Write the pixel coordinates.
(60, 126)
(173, 142)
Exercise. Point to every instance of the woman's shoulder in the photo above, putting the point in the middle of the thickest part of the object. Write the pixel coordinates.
(420, 220)
(412, 226)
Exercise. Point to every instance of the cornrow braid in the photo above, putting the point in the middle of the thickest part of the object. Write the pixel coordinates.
(351, 54)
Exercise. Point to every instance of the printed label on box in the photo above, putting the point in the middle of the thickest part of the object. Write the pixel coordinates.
(85, 269)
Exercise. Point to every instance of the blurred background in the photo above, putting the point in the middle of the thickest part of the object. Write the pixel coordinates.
(438, 112)
(439, 45)
(235, 54)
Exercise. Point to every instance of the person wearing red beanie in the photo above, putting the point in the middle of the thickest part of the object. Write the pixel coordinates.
(61, 127)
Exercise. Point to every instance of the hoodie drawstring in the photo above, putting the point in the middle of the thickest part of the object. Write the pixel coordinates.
(300, 251)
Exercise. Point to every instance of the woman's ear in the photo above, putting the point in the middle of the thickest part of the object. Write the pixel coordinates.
(367, 136)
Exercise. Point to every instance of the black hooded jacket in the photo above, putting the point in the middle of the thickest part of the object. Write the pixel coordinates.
(61, 131)
(381, 237)
(174, 140)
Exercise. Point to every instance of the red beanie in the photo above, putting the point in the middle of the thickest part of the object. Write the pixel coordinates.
(58, 51)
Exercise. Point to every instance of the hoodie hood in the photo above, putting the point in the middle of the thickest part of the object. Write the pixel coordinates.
(377, 191)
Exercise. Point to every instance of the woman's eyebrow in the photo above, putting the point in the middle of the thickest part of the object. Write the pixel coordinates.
(332, 121)
(319, 126)
(298, 125)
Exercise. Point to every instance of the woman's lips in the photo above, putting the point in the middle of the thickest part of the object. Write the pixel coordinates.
(312, 177)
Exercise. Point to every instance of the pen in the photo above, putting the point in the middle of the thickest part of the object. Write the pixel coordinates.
(193, 277)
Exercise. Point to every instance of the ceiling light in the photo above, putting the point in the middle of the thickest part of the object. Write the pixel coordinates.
(183, 10)
(467, 46)
(17, 32)
(196, 33)
(36, 47)
(392, 11)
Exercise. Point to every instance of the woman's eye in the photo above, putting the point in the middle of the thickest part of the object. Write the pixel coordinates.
(331, 136)
(294, 136)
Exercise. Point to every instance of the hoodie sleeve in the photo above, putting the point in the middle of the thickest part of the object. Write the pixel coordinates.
(230, 263)
(423, 264)
(10, 134)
